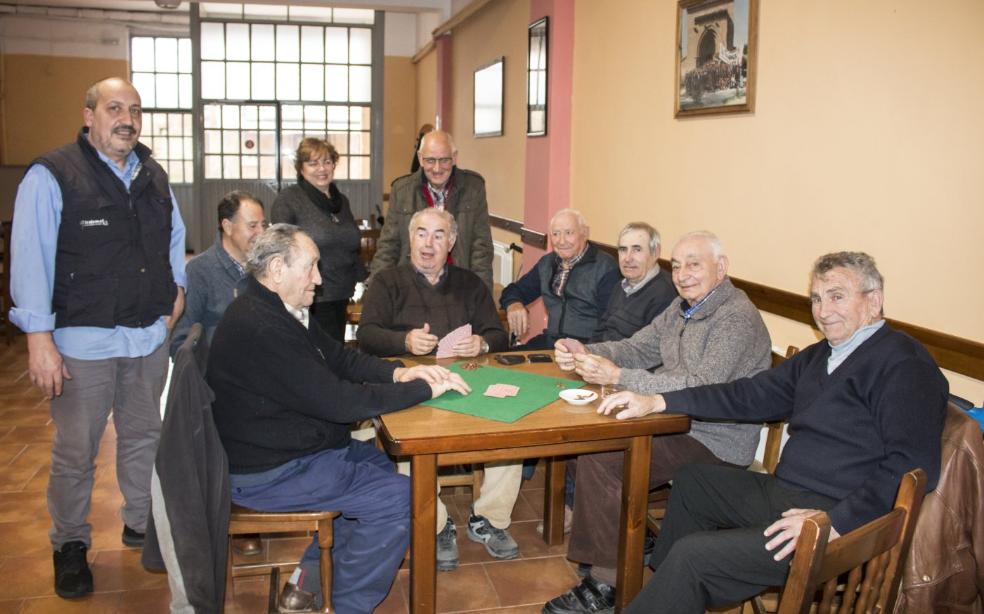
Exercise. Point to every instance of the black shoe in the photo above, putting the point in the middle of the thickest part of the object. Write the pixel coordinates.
(132, 538)
(72, 576)
(583, 570)
(588, 597)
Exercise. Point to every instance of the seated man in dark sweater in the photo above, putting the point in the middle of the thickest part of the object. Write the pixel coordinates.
(645, 291)
(864, 406)
(407, 309)
(286, 394)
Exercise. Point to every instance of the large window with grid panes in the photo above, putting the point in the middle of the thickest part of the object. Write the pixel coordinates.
(272, 75)
(160, 69)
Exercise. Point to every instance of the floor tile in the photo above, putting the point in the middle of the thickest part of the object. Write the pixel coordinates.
(29, 434)
(27, 576)
(98, 603)
(116, 570)
(529, 581)
(152, 601)
(22, 507)
(11, 606)
(29, 538)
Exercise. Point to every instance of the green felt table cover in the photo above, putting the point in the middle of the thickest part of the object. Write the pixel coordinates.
(535, 391)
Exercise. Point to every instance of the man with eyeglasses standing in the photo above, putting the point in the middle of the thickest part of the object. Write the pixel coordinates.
(439, 183)
(215, 276)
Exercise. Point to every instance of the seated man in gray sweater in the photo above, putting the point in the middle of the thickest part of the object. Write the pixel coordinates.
(711, 333)
(407, 310)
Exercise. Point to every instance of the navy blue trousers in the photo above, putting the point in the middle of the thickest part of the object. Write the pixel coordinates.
(371, 534)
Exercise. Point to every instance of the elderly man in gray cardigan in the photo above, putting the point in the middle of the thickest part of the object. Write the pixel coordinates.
(711, 333)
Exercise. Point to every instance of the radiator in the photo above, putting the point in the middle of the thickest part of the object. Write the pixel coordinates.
(502, 263)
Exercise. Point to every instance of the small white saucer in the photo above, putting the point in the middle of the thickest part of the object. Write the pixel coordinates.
(578, 396)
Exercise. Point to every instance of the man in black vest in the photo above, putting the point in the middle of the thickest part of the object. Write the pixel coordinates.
(97, 281)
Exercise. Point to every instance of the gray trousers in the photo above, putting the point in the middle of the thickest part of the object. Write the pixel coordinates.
(130, 388)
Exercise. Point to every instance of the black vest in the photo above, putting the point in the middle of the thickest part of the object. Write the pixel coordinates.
(112, 267)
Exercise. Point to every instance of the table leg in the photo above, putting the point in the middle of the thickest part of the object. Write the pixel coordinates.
(553, 500)
(423, 545)
(635, 497)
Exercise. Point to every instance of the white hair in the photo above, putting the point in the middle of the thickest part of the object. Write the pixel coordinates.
(442, 213)
(581, 222)
(717, 250)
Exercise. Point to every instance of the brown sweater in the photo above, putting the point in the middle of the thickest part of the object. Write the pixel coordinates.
(401, 299)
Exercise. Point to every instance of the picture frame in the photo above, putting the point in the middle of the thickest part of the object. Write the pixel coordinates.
(716, 48)
(488, 86)
(536, 77)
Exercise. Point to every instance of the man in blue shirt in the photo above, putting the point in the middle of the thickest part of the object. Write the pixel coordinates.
(216, 275)
(97, 280)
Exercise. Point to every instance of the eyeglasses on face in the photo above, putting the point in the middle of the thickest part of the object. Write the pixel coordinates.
(435, 161)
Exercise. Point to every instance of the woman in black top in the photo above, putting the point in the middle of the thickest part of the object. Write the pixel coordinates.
(316, 205)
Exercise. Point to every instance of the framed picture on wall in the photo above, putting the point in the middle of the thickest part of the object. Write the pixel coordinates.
(488, 98)
(536, 79)
(717, 42)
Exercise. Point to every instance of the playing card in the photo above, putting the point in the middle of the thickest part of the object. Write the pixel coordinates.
(495, 391)
(509, 390)
(446, 344)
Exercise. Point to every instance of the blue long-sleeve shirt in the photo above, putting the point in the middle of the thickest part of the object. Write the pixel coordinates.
(37, 217)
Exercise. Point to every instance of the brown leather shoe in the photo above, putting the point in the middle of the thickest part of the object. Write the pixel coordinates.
(293, 599)
(248, 546)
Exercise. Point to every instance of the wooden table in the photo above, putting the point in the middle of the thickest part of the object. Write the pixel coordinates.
(435, 437)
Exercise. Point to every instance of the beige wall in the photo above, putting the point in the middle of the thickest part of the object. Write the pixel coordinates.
(43, 99)
(866, 136)
(426, 72)
(499, 29)
(399, 117)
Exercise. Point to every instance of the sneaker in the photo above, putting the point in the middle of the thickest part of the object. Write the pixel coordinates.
(588, 597)
(294, 599)
(132, 537)
(583, 570)
(72, 576)
(498, 542)
(447, 548)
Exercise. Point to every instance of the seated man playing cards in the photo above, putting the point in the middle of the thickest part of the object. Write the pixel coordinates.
(430, 305)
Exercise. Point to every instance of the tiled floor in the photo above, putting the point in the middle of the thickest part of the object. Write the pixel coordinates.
(123, 586)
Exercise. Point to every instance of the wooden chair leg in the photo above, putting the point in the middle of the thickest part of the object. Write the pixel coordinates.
(477, 477)
(274, 591)
(325, 539)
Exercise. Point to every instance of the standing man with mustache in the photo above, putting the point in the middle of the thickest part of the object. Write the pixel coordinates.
(97, 282)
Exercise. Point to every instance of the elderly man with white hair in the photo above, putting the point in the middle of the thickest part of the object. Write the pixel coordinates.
(286, 394)
(575, 281)
(865, 405)
(711, 333)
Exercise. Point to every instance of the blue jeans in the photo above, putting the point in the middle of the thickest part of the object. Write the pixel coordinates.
(371, 534)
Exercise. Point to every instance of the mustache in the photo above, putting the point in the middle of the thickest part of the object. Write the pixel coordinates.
(124, 128)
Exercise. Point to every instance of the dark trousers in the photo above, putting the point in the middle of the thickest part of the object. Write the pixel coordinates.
(598, 497)
(332, 317)
(372, 532)
(711, 550)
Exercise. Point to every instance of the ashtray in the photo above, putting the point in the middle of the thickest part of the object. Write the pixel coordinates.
(578, 396)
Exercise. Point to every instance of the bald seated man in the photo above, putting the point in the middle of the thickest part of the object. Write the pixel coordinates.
(97, 282)
(576, 281)
(441, 184)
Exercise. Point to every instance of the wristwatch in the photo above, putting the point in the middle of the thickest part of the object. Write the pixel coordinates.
(485, 346)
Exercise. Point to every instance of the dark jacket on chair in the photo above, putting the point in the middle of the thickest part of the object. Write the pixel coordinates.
(194, 475)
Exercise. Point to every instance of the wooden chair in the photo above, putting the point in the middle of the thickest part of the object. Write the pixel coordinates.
(770, 459)
(871, 556)
(367, 248)
(244, 521)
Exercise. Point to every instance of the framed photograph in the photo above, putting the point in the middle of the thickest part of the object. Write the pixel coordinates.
(536, 79)
(716, 45)
(488, 98)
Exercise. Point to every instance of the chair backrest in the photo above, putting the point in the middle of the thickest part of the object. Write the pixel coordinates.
(773, 437)
(871, 556)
